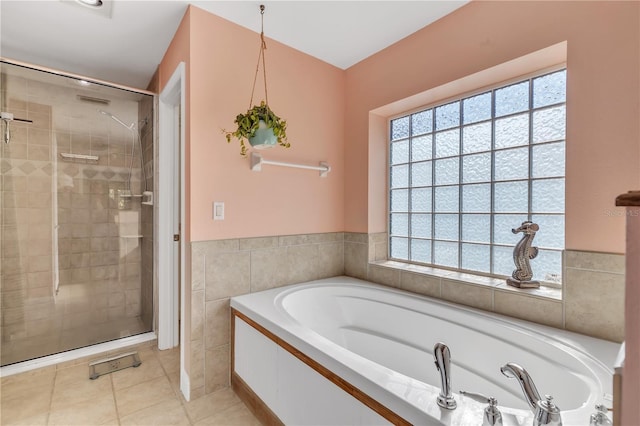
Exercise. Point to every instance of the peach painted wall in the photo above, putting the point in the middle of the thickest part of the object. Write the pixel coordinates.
(603, 130)
(179, 51)
(305, 91)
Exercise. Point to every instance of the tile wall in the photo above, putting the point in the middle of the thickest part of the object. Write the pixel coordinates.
(222, 269)
(592, 303)
(99, 243)
(225, 268)
(70, 259)
(26, 274)
(594, 294)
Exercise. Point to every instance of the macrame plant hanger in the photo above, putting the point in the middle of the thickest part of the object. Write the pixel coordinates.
(260, 126)
(263, 47)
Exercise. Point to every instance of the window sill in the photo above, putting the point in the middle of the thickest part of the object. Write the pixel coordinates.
(497, 284)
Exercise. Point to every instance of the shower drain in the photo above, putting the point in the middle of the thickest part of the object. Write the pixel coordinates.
(114, 363)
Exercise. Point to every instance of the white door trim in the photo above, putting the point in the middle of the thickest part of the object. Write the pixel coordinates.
(171, 133)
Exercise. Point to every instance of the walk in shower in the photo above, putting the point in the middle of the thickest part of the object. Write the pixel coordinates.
(76, 259)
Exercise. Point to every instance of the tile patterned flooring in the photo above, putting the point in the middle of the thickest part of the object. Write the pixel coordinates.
(147, 395)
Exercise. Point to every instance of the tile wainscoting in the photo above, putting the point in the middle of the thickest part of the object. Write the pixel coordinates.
(222, 269)
(592, 303)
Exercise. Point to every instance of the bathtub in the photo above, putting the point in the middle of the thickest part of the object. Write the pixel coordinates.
(346, 351)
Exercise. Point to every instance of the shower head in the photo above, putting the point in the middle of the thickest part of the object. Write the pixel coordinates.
(116, 119)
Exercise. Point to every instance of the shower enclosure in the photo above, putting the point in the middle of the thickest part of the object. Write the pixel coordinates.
(76, 259)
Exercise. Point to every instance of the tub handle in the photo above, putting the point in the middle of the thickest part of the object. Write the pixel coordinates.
(599, 418)
(492, 416)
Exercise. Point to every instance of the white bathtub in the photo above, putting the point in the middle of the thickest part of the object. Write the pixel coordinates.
(380, 341)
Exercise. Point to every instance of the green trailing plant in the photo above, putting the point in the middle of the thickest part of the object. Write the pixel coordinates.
(249, 122)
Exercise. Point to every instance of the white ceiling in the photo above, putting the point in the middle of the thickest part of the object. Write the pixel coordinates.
(124, 42)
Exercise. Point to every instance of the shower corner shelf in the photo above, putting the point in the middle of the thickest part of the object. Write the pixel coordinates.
(147, 198)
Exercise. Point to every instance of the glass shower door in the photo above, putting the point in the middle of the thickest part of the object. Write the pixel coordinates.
(76, 245)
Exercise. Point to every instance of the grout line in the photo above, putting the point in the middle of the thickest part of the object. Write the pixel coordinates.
(53, 386)
(176, 392)
(596, 270)
(250, 271)
(204, 273)
(115, 401)
(564, 307)
(137, 384)
(226, 408)
(493, 299)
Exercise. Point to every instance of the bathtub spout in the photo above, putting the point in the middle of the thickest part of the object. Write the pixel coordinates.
(545, 412)
(442, 358)
(529, 389)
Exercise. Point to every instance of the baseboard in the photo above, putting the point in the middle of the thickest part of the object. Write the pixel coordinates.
(185, 386)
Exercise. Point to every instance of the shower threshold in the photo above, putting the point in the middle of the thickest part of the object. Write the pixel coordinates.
(89, 351)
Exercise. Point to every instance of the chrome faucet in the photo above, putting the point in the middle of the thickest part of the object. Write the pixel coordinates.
(492, 415)
(599, 418)
(545, 412)
(442, 358)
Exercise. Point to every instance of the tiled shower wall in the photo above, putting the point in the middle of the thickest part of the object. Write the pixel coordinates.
(99, 244)
(77, 240)
(225, 268)
(26, 268)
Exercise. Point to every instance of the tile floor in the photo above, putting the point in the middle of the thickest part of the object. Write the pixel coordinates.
(147, 395)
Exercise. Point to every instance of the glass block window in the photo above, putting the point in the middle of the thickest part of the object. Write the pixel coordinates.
(465, 173)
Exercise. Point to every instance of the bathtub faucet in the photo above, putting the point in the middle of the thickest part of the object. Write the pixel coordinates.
(442, 358)
(545, 413)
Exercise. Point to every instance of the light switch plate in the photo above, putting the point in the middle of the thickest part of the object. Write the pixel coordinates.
(218, 210)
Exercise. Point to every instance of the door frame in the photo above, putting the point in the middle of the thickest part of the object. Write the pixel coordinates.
(170, 267)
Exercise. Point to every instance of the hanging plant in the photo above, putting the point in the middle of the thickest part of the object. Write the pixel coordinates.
(259, 125)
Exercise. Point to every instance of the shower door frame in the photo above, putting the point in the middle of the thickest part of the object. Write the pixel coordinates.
(113, 345)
